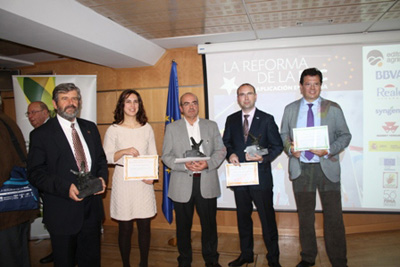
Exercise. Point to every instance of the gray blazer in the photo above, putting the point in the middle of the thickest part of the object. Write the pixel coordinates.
(176, 142)
(339, 137)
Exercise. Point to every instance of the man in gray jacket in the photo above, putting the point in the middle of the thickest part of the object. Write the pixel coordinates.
(317, 169)
(194, 183)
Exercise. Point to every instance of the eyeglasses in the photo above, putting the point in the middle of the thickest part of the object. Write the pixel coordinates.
(194, 103)
(33, 112)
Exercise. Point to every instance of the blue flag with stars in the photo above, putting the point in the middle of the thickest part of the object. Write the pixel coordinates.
(173, 114)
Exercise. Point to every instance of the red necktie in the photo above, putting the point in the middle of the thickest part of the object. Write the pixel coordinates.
(78, 149)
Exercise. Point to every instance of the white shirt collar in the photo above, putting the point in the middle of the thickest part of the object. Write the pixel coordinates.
(64, 122)
(197, 121)
(251, 113)
(315, 102)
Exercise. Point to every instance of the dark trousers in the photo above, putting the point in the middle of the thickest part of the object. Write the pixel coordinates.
(207, 211)
(263, 199)
(311, 179)
(82, 248)
(14, 250)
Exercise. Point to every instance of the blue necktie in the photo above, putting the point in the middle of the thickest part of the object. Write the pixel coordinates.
(310, 123)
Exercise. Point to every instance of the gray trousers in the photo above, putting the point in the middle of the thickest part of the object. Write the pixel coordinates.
(305, 187)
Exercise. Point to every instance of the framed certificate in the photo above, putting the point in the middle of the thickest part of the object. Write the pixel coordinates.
(245, 174)
(141, 168)
(308, 138)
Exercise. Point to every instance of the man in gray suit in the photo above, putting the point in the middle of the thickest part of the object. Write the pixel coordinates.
(194, 183)
(317, 169)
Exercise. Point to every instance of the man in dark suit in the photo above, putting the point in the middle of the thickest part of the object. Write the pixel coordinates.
(262, 125)
(317, 169)
(38, 113)
(73, 223)
(194, 183)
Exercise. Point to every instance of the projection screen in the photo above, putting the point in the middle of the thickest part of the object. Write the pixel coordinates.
(362, 78)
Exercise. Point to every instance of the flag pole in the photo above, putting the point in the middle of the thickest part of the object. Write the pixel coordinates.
(172, 114)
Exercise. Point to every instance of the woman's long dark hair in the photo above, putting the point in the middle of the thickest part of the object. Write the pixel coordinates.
(119, 110)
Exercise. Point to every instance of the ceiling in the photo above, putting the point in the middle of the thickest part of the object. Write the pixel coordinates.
(135, 33)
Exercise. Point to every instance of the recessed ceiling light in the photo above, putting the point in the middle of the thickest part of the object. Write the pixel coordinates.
(314, 23)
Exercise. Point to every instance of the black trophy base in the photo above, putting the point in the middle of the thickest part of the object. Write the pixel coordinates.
(91, 187)
(193, 154)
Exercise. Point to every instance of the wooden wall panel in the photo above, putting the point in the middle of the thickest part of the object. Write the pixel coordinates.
(8, 104)
(158, 128)
(189, 65)
(106, 103)
(152, 83)
(154, 101)
(102, 130)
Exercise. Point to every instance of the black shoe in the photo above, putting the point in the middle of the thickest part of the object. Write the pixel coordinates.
(213, 265)
(305, 264)
(240, 261)
(49, 258)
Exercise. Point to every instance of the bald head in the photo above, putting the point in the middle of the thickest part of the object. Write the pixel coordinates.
(37, 113)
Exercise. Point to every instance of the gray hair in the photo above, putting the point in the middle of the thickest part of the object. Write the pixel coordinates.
(64, 88)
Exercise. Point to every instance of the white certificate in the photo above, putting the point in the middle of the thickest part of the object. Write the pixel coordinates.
(184, 160)
(245, 174)
(307, 138)
(141, 168)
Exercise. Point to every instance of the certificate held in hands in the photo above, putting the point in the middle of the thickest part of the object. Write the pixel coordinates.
(311, 138)
(243, 174)
(141, 168)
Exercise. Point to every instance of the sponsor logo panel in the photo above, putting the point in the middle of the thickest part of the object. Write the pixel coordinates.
(389, 164)
(389, 198)
(390, 179)
(384, 146)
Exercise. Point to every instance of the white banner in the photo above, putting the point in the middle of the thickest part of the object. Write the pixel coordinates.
(381, 126)
(30, 88)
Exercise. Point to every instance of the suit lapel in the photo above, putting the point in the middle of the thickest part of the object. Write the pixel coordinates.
(184, 134)
(255, 126)
(295, 116)
(88, 138)
(324, 111)
(61, 141)
(204, 134)
(238, 124)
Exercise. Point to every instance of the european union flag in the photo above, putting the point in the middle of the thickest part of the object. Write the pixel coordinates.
(173, 114)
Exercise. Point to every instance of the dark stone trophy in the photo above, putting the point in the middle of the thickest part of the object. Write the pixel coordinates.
(255, 148)
(87, 183)
(195, 151)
